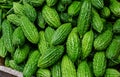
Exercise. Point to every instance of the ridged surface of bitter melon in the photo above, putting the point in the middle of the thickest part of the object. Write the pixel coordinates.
(51, 16)
(31, 65)
(99, 4)
(43, 72)
(99, 64)
(29, 30)
(84, 70)
(97, 23)
(67, 67)
(50, 56)
(3, 51)
(61, 34)
(18, 37)
(113, 50)
(83, 21)
(87, 43)
(103, 40)
(51, 2)
(7, 36)
(74, 8)
(111, 72)
(73, 45)
(56, 70)
(21, 54)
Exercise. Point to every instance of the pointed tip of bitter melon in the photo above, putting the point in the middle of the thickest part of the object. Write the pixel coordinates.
(74, 30)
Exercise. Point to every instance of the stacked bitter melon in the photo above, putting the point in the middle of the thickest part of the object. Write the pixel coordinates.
(61, 38)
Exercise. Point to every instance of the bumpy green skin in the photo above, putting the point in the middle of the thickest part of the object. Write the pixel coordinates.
(84, 70)
(43, 73)
(97, 23)
(13, 65)
(48, 34)
(66, 2)
(51, 56)
(43, 44)
(115, 7)
(31, 65)
(84, 18)
(99, 64)
(61, 7)
(99, 4)
(26, 10)
(105, 12)
(65, 17)
(30, 12)
(73, 45)
(7, 59)
(34, 3)
(3, 51)
(74, 8)
(18, 37)
(110, 72)
(61, 34)
(56, 70)
(40, 20)
(113, 50)
(7, 36)
(116, 26)
(51, 16)
(114, 62)
(18, 8)
(87, 43)
(29, 30)
(21, 54)
(103, 40)
(67, 67)
(51, 2)
(14, 19)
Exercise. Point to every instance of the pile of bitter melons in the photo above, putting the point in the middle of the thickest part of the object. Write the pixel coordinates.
(61, 38)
